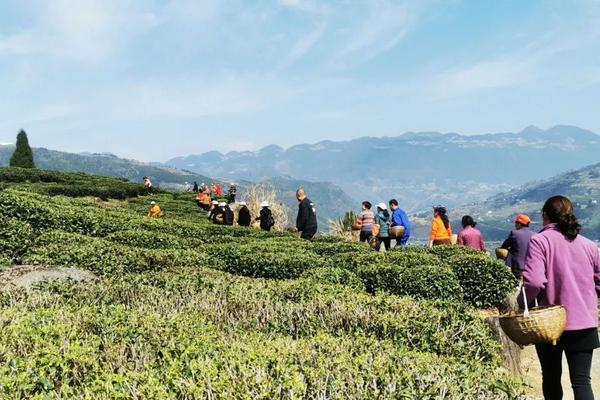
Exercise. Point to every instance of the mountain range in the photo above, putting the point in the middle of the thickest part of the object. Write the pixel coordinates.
(107, 165)
(419, 169)
(332, 201)
(496, 214)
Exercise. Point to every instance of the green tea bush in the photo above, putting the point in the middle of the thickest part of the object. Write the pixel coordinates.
(486, 282)
(412, 259)
(422, 281)
(353, 261)
(153, 240)
(330, 249)
(255, 260)
(72, 184)
(334, 275)
(121, 350)
(104, 257)
(299, 308)
(15, 238)
(47, 213)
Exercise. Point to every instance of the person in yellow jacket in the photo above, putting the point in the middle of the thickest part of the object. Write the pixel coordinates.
(441, 231)
(154, 211)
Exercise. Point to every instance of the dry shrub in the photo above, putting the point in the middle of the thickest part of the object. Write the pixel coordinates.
(260, 192)
(342, 227)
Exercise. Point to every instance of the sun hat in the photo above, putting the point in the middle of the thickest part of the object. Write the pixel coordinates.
(381, 206)
(265, 204)
(523, 219)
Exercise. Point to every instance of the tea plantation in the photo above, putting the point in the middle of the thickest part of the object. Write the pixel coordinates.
(188, 310)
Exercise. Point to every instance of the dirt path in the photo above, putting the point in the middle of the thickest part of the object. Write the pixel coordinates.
(533, 374)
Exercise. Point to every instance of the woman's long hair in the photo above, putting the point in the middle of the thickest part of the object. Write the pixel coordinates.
(441, 211)
(559, 210)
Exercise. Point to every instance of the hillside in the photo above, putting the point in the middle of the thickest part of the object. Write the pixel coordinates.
(582, 186)
(106, 165)
(420, 169)
(332, 201)
(185, 309)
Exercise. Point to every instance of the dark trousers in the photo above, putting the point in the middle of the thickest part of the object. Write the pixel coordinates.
(308, 234)
(580, 363)
(387, 242)
(365, 236)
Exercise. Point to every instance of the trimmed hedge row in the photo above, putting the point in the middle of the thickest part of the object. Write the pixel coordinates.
(485, 282)
(299, 308)
(421, 281)
(120, 350)
(72, 184)
(105, 257)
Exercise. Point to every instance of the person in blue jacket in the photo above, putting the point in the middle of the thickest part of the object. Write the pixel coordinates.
(399, 218)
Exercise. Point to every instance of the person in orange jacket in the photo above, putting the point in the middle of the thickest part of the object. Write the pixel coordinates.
(154, 211)
(441, 231)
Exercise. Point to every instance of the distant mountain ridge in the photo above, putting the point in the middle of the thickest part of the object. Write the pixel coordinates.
(420, 169)
(332, 202)
(105, 164)
(582, 186)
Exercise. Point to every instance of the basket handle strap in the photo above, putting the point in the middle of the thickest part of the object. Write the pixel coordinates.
(526, 313)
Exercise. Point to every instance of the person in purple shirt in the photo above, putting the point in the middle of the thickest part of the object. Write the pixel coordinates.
(470, 236)
(517, 244)
(562, 267)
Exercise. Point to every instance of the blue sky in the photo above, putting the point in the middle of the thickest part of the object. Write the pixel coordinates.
(155, 79)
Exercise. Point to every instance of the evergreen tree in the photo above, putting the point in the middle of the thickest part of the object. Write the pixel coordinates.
(23, 156)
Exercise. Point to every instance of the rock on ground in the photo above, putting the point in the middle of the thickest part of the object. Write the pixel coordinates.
(25, 276)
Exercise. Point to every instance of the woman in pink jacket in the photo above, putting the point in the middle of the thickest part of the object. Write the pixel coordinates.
(563, 267)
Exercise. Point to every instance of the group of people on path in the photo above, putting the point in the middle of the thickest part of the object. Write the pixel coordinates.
(379, 227)
(207, 195)
(222, 213)
(516, 244)
(306, 221)
(556, 266)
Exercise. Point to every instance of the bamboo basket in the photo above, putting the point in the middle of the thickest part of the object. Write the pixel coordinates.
(356, 226)
(540, 325)
(501, 254)
(396, 232)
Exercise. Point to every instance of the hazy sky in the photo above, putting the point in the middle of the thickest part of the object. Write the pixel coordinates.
(156, 79)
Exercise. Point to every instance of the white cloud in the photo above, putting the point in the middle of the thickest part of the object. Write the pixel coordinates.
(385, 25)
(303, 5)
(85, 31)
(301, 47)
(481, 76)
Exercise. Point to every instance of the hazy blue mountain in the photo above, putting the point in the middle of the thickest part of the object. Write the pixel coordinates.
(420, 169)
(105, 164)
(582, 186)
(331, 200)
